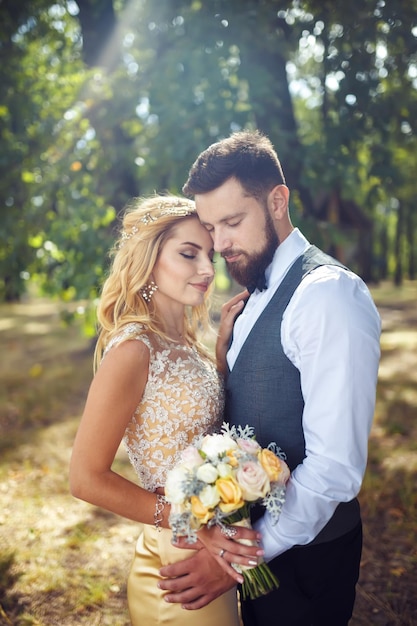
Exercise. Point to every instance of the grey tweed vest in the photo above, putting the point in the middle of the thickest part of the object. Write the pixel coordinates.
(264, 391)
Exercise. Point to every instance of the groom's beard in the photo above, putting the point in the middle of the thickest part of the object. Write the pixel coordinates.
(247, 270)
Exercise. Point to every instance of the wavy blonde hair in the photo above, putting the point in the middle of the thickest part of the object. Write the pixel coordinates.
(147, 224)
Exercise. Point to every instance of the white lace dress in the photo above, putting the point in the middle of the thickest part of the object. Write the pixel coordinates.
(183, 399)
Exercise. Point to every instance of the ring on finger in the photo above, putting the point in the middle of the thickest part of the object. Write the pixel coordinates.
(221, 553)
(228, 531)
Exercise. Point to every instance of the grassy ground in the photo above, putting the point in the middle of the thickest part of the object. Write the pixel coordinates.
(65, 562)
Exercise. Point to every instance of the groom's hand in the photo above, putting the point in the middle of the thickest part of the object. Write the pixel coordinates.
(195, 581)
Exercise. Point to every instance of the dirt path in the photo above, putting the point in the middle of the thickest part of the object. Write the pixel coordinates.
(71, 559)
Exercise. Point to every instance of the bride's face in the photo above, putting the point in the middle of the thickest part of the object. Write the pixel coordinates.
(184, 269)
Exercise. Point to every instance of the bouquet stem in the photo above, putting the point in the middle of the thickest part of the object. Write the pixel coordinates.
(258, 580)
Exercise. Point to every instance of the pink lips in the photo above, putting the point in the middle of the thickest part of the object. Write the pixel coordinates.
(200, 286)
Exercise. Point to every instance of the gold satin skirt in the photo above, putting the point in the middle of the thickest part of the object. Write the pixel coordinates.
(146, 602)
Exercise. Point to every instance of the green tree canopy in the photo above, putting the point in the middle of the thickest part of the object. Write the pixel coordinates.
(104, 100)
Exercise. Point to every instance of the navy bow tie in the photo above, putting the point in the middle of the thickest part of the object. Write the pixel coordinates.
(259, 284)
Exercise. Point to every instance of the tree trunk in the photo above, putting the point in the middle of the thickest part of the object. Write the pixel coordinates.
(383, 256)
(102, 47)
(365, 256)
(410, 234)
(98, 26)
(263, 66)
(398, 275)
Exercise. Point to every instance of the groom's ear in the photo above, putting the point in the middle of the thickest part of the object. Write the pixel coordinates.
(278, 202)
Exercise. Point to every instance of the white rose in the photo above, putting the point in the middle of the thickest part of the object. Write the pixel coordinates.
(207, 473)
(174, 486)
(209, 496)
(215, 445)
(177, 509)
(224, 470)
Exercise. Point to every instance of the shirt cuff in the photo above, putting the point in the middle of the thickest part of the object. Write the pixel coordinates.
(270, 542)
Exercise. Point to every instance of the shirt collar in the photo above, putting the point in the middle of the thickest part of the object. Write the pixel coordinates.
(287, 252)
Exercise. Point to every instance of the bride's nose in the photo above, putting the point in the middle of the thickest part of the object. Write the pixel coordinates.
(206, 268)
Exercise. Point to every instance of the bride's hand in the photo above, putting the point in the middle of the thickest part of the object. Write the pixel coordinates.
(229, 312)
(228, 549)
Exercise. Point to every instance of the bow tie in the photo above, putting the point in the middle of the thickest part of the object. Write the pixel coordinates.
(259, 284)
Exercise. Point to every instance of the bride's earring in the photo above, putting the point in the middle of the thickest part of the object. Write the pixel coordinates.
(148, 290)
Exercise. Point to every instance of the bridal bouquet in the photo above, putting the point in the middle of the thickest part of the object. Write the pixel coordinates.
(217, 481)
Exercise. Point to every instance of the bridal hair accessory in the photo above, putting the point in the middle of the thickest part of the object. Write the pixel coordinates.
(179, 208)
(148, 290)
(126, 236)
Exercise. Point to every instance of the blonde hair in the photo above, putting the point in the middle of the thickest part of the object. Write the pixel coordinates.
(147, 224)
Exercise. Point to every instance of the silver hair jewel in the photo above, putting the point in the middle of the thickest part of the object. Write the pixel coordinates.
(148, 290)
(177, 209)
(126, 236)
(147, 219)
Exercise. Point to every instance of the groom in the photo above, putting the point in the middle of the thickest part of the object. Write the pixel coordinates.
(303, 368)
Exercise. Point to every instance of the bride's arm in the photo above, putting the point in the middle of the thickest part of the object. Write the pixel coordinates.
(114, 394)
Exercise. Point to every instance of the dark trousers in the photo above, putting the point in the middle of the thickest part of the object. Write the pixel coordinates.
(317, 585)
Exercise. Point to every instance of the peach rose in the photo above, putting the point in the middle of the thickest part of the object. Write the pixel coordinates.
(233, 457)
(201, 512)
(230, 494)
(276, 469)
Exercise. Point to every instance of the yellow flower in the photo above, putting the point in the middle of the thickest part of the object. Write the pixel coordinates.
(230, 494)
(273, 466)
(201, 512)
(232, 457)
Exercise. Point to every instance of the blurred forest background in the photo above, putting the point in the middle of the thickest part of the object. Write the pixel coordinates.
(103, 100)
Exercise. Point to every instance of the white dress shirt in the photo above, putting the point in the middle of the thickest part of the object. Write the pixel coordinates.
(330, 332)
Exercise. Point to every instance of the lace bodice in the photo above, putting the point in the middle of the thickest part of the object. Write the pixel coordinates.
(183, 399)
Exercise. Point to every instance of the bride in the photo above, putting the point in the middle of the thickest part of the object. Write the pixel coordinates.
(157, 389)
